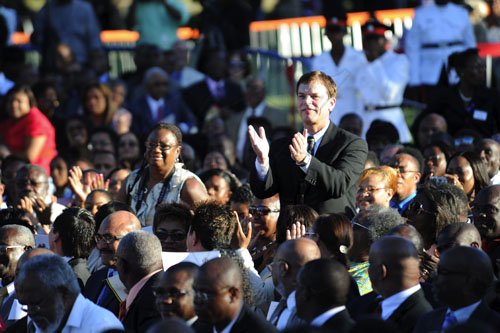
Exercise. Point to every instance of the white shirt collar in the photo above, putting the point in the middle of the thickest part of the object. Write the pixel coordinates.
(154, 105)
(290, 301)
(464, 313)
(213, 86)
(229, 327)
(325, 316)
(259, 110)
(11, 288)
(390, 304)
(191, 321)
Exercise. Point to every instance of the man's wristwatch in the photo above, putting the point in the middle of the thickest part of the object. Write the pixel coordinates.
(305, 161)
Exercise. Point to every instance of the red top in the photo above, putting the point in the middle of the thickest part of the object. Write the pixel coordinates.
(14, 133)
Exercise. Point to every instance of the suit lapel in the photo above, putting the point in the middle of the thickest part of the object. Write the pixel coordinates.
(324, 150)
(405, 306)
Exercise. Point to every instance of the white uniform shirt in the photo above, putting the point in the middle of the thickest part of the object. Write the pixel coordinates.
(382, 82)
(344, 73)
(436, 25)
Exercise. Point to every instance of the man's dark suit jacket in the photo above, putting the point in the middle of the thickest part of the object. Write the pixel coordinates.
(80, 267)
(142, 313)
(174, 106)
(433, 321)
(247, 322)
(94, 287)
(339, 323)
(200, 100)
(330, 183)
(405, 316)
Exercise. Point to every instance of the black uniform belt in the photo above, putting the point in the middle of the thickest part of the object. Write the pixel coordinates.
(440, 45)
(380, 107)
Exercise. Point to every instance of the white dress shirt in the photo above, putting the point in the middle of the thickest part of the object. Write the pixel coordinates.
(287, 312)
(495, 180)
(325, 316)
(390, 304)
(87, 317)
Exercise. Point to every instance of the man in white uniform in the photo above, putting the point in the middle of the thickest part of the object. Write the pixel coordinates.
(382, 82)
(342, 63)
(438, 30)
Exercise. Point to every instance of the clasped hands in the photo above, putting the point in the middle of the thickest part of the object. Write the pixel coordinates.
(260, 145)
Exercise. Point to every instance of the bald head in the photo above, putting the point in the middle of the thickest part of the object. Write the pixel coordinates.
(38, 251)
(458, 234)
(112, 229)
(299, 251)
(223, 271)
(290, 257)
(123, 220)
(394, 265)
(489, 150)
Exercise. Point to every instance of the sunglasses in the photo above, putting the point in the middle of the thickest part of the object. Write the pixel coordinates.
(261, 210)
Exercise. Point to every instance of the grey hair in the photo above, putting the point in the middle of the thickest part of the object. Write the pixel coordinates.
(380, 220)
(142, 250)
(154, 71)
(52, 271)
(23, 236)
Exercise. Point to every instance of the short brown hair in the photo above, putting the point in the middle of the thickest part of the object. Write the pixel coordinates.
(320, 77)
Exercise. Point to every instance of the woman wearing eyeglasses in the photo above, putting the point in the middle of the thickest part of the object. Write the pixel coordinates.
(376, 186)
(161, 177)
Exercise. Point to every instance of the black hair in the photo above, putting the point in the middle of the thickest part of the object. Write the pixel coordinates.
(75, 227)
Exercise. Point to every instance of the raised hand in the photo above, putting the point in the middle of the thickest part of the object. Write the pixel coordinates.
(98, 183)
(259, 144)
(297, 230)
(240, 239)
(75, 182)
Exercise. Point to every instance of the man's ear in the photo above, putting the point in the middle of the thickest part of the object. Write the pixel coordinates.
(284, 268)
(383, 271)
(234, 294)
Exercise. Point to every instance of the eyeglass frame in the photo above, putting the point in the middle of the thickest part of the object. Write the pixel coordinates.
(178, 293)
(150, 145)
(5, 248)
(205, 296)
(259, 210)
(369, 190)
(111, 239)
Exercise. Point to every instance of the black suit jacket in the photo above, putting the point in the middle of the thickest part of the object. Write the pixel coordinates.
(79, 266)
(405, 316)
(409, 312)
(330, 183)
(94, 287)
(175, 108)
(248, 322)
(339, 323)
(200, 100)
(433, 321)
(142, 313)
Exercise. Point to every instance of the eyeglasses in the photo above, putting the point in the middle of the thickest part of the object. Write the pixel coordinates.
(107, 238)
(26, 182)
(261, 210)
(174, 236)
(417, 208)
(169, 293)
(204, 296)
(356, 224)
(163, 147)
(30, 309)
(5, 248)
(369, 190)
